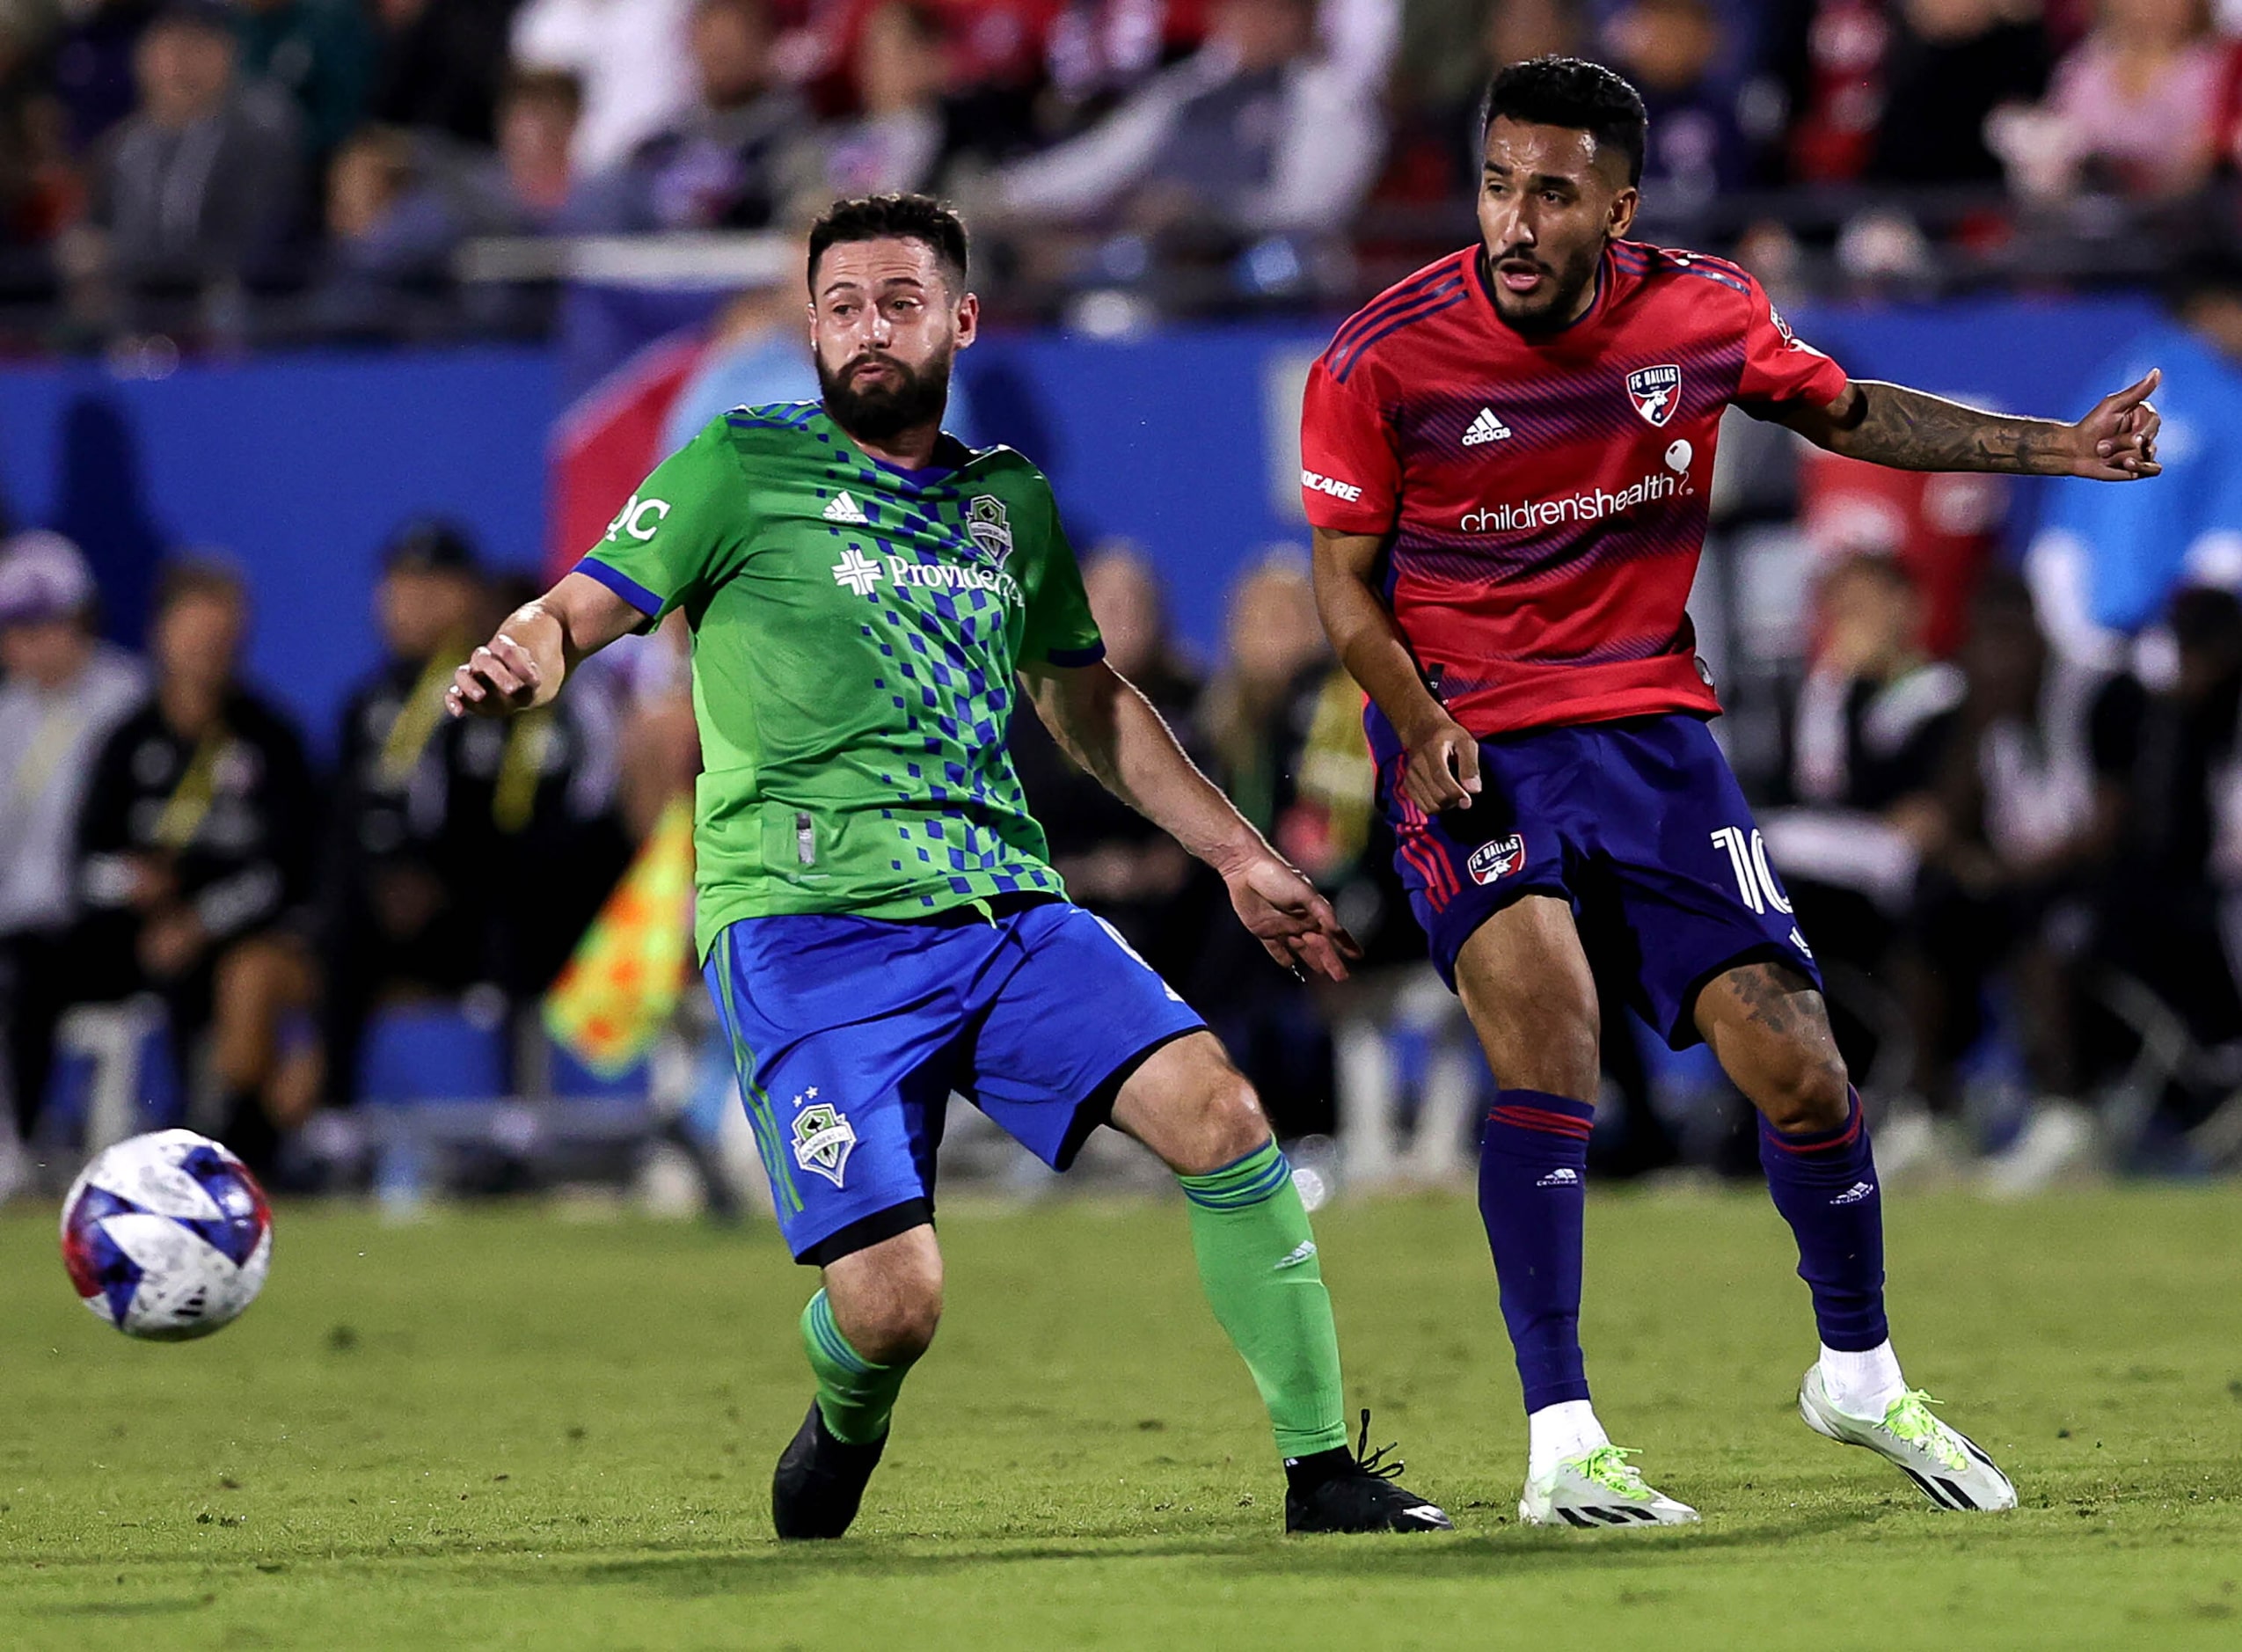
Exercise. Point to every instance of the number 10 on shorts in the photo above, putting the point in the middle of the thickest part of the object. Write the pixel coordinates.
(1755, 881)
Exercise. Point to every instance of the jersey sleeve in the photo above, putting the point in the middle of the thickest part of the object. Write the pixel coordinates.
(1061, 629)
(1779, 365)
(680, 535)
(1350, 475)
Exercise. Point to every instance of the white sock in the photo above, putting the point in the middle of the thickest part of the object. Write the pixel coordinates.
(1567, 1429)
(1862, 1384)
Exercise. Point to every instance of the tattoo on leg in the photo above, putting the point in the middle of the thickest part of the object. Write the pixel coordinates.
(1781, 1000)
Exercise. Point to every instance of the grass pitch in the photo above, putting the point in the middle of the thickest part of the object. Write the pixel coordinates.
(501, 1428)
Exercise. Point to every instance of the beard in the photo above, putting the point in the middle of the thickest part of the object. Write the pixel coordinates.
(884, 412)
(1553, 307)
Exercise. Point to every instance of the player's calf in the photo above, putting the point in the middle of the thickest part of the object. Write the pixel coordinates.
(1258, 1264)
(863, 1332)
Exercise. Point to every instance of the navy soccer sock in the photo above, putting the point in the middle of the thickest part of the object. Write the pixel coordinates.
(1825, 1186)
(1533, 1171)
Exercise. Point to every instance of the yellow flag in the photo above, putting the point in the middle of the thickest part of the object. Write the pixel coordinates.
(621, 986)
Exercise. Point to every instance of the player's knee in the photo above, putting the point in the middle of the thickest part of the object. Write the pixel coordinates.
(1226, 1124)
(1805, 1092)
(897, 1328)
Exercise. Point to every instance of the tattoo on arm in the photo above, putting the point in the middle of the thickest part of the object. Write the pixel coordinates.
(1910, 430)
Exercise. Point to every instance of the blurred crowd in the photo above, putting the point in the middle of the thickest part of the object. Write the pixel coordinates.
(262, 168)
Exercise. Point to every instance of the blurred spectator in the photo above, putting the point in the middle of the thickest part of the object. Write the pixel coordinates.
(1941, 528)
(2161, 911)
(399, 203)
(2107, 561)
(1868, 740)
(94, 66)
(199, 844)
(632, 58)
(1830, 57)
(2134, 107)
(1261, 132)
(406, 880)
(1114, 861)
(201, 182)
(2028, 809)
(319, 52)
(1258, 720)
(397, 207)
(1447, 67)
(537, 114)
(539, 794)
(440, 63)
(1671, 50)
(34, 170)
(1950, 65)
(62, 694)
(728, 161)
(899, 140)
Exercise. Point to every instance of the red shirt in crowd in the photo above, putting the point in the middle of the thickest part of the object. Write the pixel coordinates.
(1546, 495)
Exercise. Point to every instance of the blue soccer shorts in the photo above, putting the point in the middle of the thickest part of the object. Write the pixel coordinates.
(850, 1033)
(1638, 823)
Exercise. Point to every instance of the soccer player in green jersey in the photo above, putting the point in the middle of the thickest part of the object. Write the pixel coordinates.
(878, 918)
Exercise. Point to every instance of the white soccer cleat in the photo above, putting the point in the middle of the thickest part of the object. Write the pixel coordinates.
(1598, 1489)
(1944, 1462)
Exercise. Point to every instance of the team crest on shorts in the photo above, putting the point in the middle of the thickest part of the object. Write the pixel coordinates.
(1654, 391)
(1497, 858)
(991, 530)
(823, 1140)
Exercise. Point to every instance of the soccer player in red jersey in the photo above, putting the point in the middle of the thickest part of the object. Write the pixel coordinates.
(1506, 460)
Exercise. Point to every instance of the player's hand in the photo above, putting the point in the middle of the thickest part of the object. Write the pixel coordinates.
(1441, 769)
(1291, 921)
(499, 679)
(2117, 442)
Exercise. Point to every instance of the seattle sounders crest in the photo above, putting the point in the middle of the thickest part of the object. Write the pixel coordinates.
(990, 528)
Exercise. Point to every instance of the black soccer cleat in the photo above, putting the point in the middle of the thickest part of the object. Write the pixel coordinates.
(1362, 1496)
(820, 1480)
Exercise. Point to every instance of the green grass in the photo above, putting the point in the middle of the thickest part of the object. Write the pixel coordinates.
(504, 1429)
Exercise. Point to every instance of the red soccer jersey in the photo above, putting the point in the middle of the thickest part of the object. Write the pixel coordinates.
(1546, 496)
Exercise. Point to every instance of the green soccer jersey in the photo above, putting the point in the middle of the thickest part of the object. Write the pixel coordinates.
(856, 632)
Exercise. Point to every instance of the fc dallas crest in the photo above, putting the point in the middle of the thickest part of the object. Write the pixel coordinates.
(1654, 391)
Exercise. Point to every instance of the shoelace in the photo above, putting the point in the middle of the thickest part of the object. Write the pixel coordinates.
(1608, 1467)
(1374, 1463)
(1907, 1419)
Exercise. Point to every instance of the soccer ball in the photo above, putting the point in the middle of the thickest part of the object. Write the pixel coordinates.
(167, 1236)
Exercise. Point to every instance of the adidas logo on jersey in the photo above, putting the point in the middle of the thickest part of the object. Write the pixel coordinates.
(1486, 427)
(1563, 1176)
(846, 509)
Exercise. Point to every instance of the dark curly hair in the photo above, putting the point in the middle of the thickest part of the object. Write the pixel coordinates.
(890, 217)
(1568, 93)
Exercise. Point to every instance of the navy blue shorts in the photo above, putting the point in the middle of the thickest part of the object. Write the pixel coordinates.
(849, 1035)
(1638, 823)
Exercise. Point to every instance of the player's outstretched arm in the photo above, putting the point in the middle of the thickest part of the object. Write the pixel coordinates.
(1912, 430)
(532, 654)
(1441, 766)
(1110, 730)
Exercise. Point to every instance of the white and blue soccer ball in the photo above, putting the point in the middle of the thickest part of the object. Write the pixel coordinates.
(167, 1236)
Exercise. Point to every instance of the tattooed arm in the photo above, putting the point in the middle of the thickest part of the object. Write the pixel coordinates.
(1911, 430)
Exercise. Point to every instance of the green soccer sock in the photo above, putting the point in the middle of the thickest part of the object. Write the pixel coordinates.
(854, 1395)
(1257, 1260)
